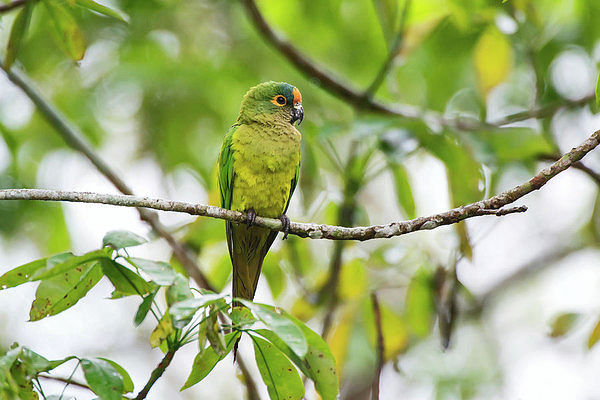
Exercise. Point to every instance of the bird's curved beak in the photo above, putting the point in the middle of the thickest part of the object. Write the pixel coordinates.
(297, 114)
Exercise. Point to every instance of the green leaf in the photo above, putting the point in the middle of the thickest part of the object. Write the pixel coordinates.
(66, 262)
(127, 382)
(278, 373)
(281, 324)
(125, 281)
(598, 91)
(160, 272)
(8, 359)
(206, 360)
(99, 8)
(103, 378)
(34, 363)
(69, 36)
(184, 310)
(162, 331)
(318, 364)
(21, 274)
(179, 290)
(122, 239)
(493, 58)
(61, 292)
(403, 189)
(563, 323)
(144, 308)
(419, 306)
(594, 336)
(17, 32)
(214, 334)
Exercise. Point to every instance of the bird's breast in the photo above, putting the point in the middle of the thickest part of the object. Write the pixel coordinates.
(265, 162)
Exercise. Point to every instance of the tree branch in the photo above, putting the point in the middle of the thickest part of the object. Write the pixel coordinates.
(491, 206)
(75, 139)
(361, 100)
(380, 347)
(157, 373)
(11, 6)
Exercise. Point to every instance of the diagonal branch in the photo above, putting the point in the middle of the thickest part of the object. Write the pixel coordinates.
(393, 53)
(156, 374)
(362, 99)
(11, 6)
(75, 139)
(491, 206)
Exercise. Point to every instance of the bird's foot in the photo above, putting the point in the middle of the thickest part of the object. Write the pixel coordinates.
(251, 217)
(285, 225)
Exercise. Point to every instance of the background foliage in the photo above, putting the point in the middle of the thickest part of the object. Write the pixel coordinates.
(160, 83)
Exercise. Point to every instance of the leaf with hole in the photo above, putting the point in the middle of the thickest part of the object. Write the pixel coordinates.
(61, 292)
(65, 262)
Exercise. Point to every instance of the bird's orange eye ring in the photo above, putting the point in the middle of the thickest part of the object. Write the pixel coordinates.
(279, 100)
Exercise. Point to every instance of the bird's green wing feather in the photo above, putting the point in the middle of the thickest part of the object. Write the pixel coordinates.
(226, 178)
(292, 187)
(226, 169)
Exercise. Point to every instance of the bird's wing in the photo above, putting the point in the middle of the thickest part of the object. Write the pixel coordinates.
(226, 178)
(292, 187)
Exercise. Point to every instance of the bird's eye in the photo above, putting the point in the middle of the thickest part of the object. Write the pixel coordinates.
(279, 100)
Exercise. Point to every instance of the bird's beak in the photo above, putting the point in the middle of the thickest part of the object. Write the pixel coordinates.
(297, 114)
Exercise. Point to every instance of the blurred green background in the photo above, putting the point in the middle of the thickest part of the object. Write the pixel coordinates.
(155, 97)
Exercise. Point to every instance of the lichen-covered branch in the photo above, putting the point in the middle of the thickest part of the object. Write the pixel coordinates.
(492, 206)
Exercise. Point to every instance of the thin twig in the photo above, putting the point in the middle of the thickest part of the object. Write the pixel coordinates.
(11, 6)
(380, 347)
(65, 380)
(157, 373)
(75, 139)
(356, 98)
(393, 53)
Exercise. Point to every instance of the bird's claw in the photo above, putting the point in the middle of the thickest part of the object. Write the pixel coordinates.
(285, 225)
(251, 217)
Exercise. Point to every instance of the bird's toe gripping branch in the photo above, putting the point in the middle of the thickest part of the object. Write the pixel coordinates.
(285, 225)
(251, 217)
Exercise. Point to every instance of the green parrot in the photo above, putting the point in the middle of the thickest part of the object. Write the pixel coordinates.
(258, 171)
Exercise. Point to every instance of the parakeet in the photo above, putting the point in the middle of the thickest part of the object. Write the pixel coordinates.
(259, 165)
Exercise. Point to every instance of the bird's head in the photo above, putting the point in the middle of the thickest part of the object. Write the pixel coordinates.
(272, 102)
